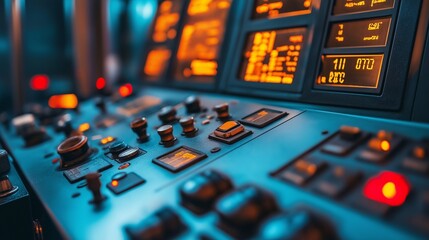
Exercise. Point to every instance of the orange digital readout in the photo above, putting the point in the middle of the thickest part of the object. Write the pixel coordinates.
(156, 61)
(201, 39)
(272, 56)
(280, 8)
(166, 21)
(357, 6)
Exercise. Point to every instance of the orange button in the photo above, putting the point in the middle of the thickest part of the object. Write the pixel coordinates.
(228, 126)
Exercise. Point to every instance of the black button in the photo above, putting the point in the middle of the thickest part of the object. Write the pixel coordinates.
(298, 224)
(337, 181)
(128, 154)
(117, 147)
(302, 170)
(201, 191)
(123, 183)
(242, 210)
(163, 224)
(345, 141)
(192, 104)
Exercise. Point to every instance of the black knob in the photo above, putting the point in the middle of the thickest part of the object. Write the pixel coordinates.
(222, 110)
(4, 162)
(163, 224)
(94, 185)
(35, 136)
(201, 191)
(243, 209)
(192, 104)
(139, 127)
(101, 105)
(6, 187)
(73, 150)
(166, 134)
(298, 224)
(65, 126)
(188, 127)
(167, 115)
(117, 147)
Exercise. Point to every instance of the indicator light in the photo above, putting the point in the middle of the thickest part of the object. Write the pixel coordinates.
(84, 127)
(115, 183)
(385, 145)
(100, 83)
(387, 187)
(107, 140)
(39, 82)
(63, 101)
(125, 90)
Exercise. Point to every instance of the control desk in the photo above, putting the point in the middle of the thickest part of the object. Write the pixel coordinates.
(264, 119)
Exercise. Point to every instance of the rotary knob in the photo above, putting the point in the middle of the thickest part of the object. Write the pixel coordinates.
(4, 162)
(139, 127)
(222, 110)
(192, 104)
(166, 134)
(167, 115)
(6, 187)
(73, 150)
(65, 126)
(188, 127)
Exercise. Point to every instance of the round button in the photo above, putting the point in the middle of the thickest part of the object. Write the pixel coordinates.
(128, 154)
(117, 147)
(119, 176)
(73, 149)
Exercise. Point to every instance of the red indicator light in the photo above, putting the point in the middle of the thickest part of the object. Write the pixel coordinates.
(125, 90)
(39, 82)
(64, 101)
(100, 83)
(387, 187)
(115, 183)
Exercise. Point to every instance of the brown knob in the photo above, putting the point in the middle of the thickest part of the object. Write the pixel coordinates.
(94, 185)
(139, 127)
(188, 127)
(73, 150)
(6, 187)
(166, 134)
(222, 110)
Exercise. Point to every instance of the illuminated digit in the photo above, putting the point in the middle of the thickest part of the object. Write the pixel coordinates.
(335, 63)
(358, 64)
(371, 64)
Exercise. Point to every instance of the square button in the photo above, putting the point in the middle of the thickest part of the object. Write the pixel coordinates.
(302, 170)
(179, 159)
(337, 181)
(263, 117)
(125, 183)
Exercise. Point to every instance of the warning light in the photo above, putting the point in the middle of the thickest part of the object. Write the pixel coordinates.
(63, 101)
(84, 127)
(115, 183)
(385, 145)
(107, 140)
(39, 82)
(388, 187)
(100, 83)
(125, 90)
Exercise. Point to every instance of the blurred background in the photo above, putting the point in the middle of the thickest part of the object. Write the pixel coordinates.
(50, 47)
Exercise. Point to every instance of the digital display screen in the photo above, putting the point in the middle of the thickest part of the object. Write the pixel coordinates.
(201, 40)
(361, 33)
(357, 6)
(351, 71)
(280, 8)
(179, 158)
(164, 30)
(272, 56)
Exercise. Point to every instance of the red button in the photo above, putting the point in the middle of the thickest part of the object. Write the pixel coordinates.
(387, 187)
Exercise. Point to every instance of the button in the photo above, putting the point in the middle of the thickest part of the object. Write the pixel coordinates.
(302, 170)
(6, 187)
(167, 115)
(380, 147)
(124, 166)
(139, 127)
(162, 224)
(179, 159)
(263, 117)
(166, 134)
(297, 224)
(387, 187)
(201, 191)
(73, 150)
(345, 141)
(122, 182)
(418, 159)
(117, 147)
(129, 154)
(84, 127)
(222, 110)
(192, 104)
(107, 140)
(188, 127)
(4, 162)
(242, 210)
(78, 173)
(337, 181)
(229, 129)
(64, 125)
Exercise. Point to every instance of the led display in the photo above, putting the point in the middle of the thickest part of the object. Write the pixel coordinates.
(280, 8)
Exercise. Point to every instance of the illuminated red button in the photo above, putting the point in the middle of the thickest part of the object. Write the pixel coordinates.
(387, 187)
(100, 83)
(125, 90)
(39, 82)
